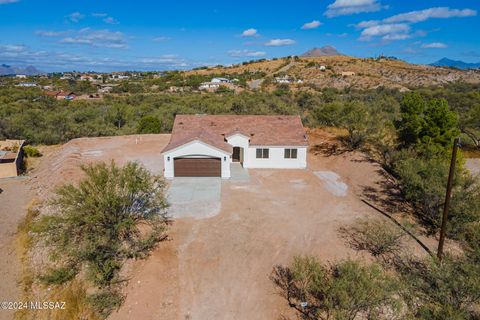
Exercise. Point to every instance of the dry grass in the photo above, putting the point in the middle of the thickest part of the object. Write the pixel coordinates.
(74, 293)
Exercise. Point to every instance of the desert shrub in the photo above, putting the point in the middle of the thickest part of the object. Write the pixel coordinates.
(113, 214)
(378, 237)
(104, 302)
(346, 290)
(149, 124)
(58, 275)
(31, 152)
(446, 290)
(361, 123)
(423, 184)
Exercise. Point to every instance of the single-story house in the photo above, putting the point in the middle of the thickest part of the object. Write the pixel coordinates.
(61, 95)
(220, 80)
(11, 157)
(206, 145)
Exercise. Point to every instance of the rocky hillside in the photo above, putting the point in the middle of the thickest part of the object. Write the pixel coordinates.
(343, 72)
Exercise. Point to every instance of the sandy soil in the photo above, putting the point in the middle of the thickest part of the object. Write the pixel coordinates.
(218, 268)
(62, 165)
(14, 197)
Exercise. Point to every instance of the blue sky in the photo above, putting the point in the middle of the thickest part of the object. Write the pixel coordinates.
(112, 35)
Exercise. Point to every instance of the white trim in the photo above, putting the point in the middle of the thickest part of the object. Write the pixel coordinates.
(275, 146)
(194, 141)
(237, 134)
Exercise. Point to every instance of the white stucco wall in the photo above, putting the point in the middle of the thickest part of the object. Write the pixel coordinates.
(195, 149)
(276, 158)
(239, 140)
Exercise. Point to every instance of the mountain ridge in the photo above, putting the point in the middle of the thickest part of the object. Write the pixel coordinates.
(7, 70)
(446, 62)
(325, 51)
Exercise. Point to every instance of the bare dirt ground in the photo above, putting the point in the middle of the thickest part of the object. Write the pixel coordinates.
(218, 268)
(473, 165)
(14, 197)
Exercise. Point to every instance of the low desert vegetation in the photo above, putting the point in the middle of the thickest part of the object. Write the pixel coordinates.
(345, 290)
(413, 141)
(113, 214)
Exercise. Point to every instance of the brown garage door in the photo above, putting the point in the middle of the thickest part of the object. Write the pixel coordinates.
(197, 167)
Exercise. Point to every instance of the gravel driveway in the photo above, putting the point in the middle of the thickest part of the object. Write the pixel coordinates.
(194, 197)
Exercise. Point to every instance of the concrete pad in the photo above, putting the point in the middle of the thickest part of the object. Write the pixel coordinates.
(194, 197)
(238, 174)
(333, 183)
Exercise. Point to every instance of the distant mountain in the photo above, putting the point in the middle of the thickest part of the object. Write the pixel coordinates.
(445, 62)
(6, 70)
(322, 52)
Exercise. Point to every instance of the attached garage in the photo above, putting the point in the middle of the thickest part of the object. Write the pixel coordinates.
(197, 167)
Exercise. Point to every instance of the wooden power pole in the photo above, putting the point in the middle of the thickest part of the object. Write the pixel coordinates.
(443, 228)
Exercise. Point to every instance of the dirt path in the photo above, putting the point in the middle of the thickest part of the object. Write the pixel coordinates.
(255, 84)
(14, 197)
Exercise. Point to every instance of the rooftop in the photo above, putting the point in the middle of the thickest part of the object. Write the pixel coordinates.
(262, 130)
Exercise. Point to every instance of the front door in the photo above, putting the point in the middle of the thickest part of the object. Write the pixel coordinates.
(236, 154)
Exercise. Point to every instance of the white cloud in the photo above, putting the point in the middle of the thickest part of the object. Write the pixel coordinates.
(43, 33)
(246, 53)
(250, 33)
(431, 13)
(75, 16)
(347, 7)
(388, 25)
(8, 1)
(110, 20)
(434, 45)
(160, 39)
(12, 48)
(97, 38)
(386, 31)
(311, 25)
(279, 42)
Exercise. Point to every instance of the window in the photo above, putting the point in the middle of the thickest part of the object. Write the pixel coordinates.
(290, 154)
(262, 153)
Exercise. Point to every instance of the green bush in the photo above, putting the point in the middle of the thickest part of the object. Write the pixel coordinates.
(149, 124)
(96, 224)
(345, 290)
(31, 152)
(105, 301)
(379, 237)
(59, 275)
(423, 184)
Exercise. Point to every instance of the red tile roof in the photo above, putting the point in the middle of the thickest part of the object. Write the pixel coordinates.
(262, 130)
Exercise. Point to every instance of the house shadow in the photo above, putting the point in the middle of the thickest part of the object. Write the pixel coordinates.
(328, 149)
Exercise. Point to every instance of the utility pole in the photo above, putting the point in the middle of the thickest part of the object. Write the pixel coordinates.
(443, 229)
